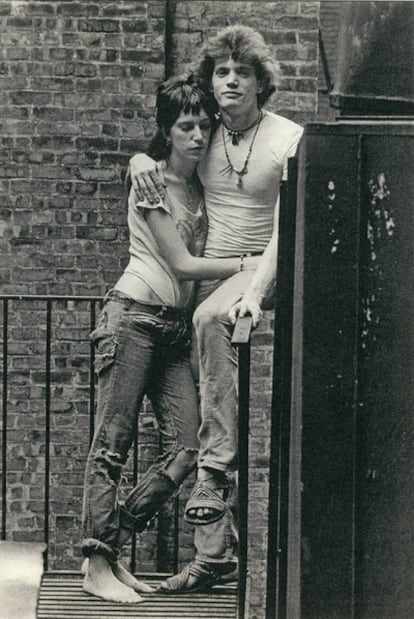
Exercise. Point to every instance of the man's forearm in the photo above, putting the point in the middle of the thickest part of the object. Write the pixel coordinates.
(264, 278)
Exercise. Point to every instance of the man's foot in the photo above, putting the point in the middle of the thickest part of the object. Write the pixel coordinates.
(122, 574)
(100, 581)
(207, 502)
(198, 576)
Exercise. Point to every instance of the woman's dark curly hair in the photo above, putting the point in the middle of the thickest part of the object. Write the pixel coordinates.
(242, 44)
(178, 94)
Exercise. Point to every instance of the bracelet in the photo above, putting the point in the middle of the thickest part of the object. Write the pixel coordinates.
(241, 262)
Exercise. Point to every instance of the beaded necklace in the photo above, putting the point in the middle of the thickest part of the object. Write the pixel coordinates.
(230, 167)
(237, 134)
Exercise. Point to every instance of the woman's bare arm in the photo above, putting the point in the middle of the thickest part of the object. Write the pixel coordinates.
(184, 265)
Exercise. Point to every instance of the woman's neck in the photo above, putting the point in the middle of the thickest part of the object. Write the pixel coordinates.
(183, 168)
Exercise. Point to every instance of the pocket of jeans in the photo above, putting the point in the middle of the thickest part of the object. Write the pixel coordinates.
(146, 320)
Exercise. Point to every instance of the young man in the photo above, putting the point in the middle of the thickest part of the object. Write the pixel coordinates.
(241, 175)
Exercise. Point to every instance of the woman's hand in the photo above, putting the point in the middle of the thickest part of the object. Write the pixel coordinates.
(147, 178)
(248, 306)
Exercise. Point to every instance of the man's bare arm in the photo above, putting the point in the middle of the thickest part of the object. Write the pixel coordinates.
(147, 178)
(263, 280)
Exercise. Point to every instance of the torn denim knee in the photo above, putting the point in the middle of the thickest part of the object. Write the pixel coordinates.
(146, 499)
(153, 490)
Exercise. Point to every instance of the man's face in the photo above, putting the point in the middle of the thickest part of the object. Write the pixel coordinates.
(235, 86)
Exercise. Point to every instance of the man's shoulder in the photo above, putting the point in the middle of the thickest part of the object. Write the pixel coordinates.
(281, 122)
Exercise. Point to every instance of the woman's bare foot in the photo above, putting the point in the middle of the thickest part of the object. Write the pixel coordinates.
(122, 574)
(128, 579)
(100, 581)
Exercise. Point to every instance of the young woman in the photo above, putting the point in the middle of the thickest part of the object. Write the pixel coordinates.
(143, 343)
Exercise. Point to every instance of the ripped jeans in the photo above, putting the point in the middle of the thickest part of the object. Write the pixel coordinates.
(139, 351)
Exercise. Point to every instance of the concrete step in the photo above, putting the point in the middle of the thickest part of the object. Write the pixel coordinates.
(21, 568)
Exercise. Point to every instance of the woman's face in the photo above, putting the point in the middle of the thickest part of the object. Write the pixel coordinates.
(190, 136)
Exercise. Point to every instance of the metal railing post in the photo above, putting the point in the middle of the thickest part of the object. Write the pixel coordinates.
(92, 322)
(241, 339)
(47, 430)
(4, 427)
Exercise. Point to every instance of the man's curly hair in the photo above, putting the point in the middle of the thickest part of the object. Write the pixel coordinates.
(242, 44)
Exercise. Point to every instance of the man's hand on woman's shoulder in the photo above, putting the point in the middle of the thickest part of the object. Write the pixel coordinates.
(147, 178)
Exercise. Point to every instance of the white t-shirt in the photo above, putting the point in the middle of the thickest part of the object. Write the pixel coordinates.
(146, 262)
(240, 219)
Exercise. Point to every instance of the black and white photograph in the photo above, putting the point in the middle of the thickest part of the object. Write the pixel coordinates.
(206, 309)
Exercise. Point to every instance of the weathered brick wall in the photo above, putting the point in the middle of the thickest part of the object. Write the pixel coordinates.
(76, 99)
(77, 94)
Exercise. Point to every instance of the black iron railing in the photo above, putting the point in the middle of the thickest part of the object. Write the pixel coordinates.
(48, 301)
(48, 305)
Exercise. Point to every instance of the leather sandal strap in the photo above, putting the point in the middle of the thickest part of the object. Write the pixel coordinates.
(204, 574)
(201, 570)
(204, 495)
(178, 581)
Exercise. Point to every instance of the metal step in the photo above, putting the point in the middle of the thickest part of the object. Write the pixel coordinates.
(61, 597)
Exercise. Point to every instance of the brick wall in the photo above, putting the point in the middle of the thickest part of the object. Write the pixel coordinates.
(77, 84)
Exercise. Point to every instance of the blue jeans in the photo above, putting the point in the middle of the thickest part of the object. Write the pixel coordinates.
(216, 542)
(218, 369)
(138, 352)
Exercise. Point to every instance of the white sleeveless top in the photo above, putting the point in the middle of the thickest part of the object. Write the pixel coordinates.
(146, 262)
(240, 219)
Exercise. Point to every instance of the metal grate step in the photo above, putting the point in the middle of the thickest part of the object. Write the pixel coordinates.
(61, 597)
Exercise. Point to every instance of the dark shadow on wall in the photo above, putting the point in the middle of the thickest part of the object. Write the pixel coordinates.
(170, 11)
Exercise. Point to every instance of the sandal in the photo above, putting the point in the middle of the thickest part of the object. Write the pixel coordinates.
(206, 576)
(204, 494)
